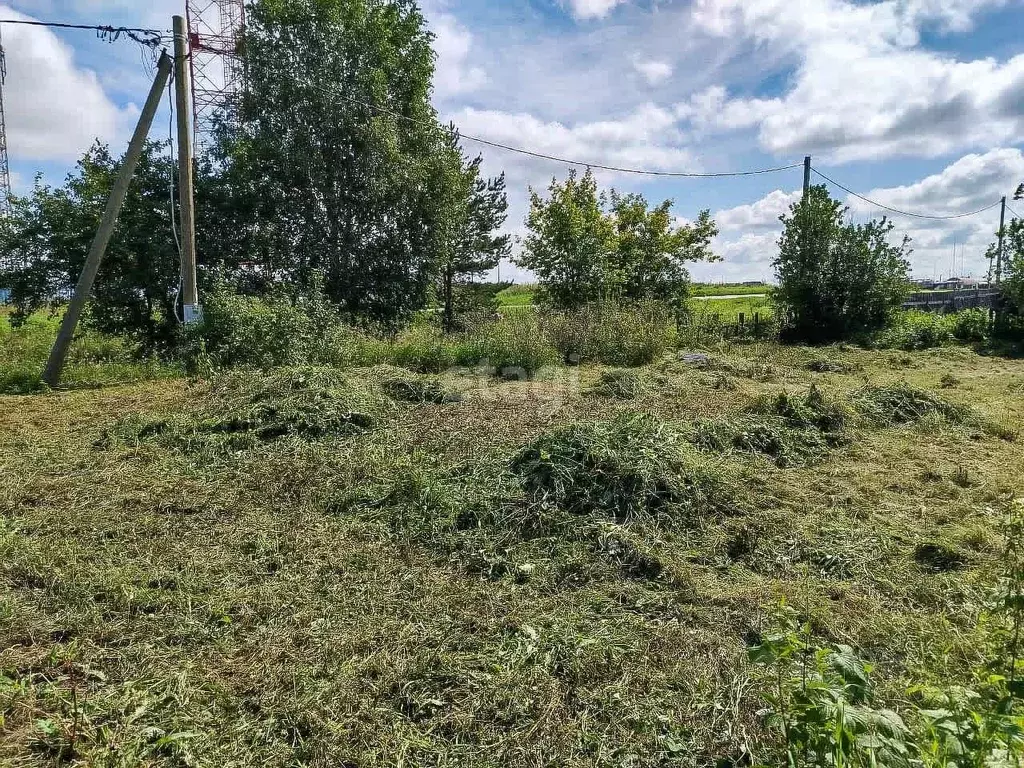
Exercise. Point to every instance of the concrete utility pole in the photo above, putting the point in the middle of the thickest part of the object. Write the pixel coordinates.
(807, 175)
(999, 252)
(59, 353)
(193, 312)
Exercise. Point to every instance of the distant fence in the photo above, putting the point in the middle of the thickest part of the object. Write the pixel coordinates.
(953, 301)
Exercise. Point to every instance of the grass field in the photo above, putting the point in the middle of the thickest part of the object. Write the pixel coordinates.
(369, 567)
(522, 295)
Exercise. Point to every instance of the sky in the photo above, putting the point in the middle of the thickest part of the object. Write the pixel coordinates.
(915, 104)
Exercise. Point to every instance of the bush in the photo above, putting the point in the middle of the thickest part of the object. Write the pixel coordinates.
(837, 279)
(516, 342)
(424, 349)
(620, 335)
(971, 325)
(913, 330)
(632, 467)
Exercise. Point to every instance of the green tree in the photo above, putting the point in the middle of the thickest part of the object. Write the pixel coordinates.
(49, 233)
(587, 246)
(1012, 312)
(650, 255)
(570, 243)
(837, 279)
(474, 208)
(328, 164)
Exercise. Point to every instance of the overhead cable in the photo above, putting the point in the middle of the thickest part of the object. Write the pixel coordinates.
(148, 37)
(563, 160)
(904, 213)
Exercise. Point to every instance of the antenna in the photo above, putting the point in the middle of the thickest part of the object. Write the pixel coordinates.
(5, 164)
(215, 29)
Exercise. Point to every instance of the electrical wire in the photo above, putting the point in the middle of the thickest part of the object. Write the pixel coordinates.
(148, 37)
(565, 161)
(1015, 214)
(897, 210)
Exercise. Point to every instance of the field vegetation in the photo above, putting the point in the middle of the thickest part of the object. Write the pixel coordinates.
(373, 511)
(346, 563)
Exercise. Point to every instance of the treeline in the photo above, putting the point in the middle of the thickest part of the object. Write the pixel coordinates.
(333, 177)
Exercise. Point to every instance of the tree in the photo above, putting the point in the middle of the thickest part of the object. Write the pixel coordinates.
(837, 279)
(570, 242)
(329, 164)
(587, 246)
(650, 253)
(50, 231)
(475, 207)
(1011, 315)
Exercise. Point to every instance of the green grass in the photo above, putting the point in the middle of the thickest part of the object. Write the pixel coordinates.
(517, 296)
(241, 572)
(729, 309)
(94, 360)
(728, 289)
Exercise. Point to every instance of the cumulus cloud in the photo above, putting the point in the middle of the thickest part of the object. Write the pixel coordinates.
(653, 70)
(863, 88)
(55, 110)
(750, 232)
(593, 9)
(455, 72)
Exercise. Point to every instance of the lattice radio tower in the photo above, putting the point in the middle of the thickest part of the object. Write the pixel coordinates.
(215, 29)
(5, 163)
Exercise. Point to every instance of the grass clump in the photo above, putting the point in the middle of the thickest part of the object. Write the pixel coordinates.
(829, 365)
(791, 429)
(243, 409)
(612, 334)
(631, 467)
(426, 389)
(621, 384)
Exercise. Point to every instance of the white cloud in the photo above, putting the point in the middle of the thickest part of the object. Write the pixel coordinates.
(453, 43)
(654, 71)
(863, 88)
(593, 9)
(55, 110)
(750, 232)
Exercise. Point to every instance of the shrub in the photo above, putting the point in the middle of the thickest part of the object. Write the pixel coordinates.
(632, 467)
(837, 279)
(904, 404)
(252, 331)
(424, 349)
(622, 335)
(515, 343)
(913, 330)
(971, 325)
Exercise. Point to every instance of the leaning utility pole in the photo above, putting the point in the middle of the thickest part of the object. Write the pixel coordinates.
(807, 175)
(192, 311)
(999, 251)
(59, 353)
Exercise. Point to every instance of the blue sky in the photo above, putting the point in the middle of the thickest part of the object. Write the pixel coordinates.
(916, 103)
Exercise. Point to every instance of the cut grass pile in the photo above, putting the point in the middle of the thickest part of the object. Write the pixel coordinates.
(630, 468)
(536, 575)
(240, 410)
(904, 404)
(791, 429)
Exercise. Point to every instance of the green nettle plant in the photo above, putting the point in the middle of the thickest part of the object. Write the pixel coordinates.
(837, 279)
(820, 700)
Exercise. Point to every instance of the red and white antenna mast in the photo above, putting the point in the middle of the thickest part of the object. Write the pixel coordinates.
(215, 29)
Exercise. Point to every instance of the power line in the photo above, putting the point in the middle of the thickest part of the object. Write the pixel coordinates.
(897, 210)
(1015, 214)
(565, 161)
(148, 37)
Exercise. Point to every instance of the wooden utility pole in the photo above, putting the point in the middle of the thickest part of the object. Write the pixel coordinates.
(59, 353)
(189, 288)
(807, 175)
(999, 251)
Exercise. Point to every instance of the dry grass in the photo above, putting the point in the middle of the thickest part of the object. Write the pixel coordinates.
(360, 597)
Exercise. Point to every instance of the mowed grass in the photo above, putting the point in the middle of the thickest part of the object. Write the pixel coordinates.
(301, 569)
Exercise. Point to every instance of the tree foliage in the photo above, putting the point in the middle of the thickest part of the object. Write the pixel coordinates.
(837, 279)
(330, 165)
(587, 246)
(48, 235)
(474, 209)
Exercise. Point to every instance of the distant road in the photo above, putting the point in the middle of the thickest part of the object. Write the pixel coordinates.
(732, 296)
